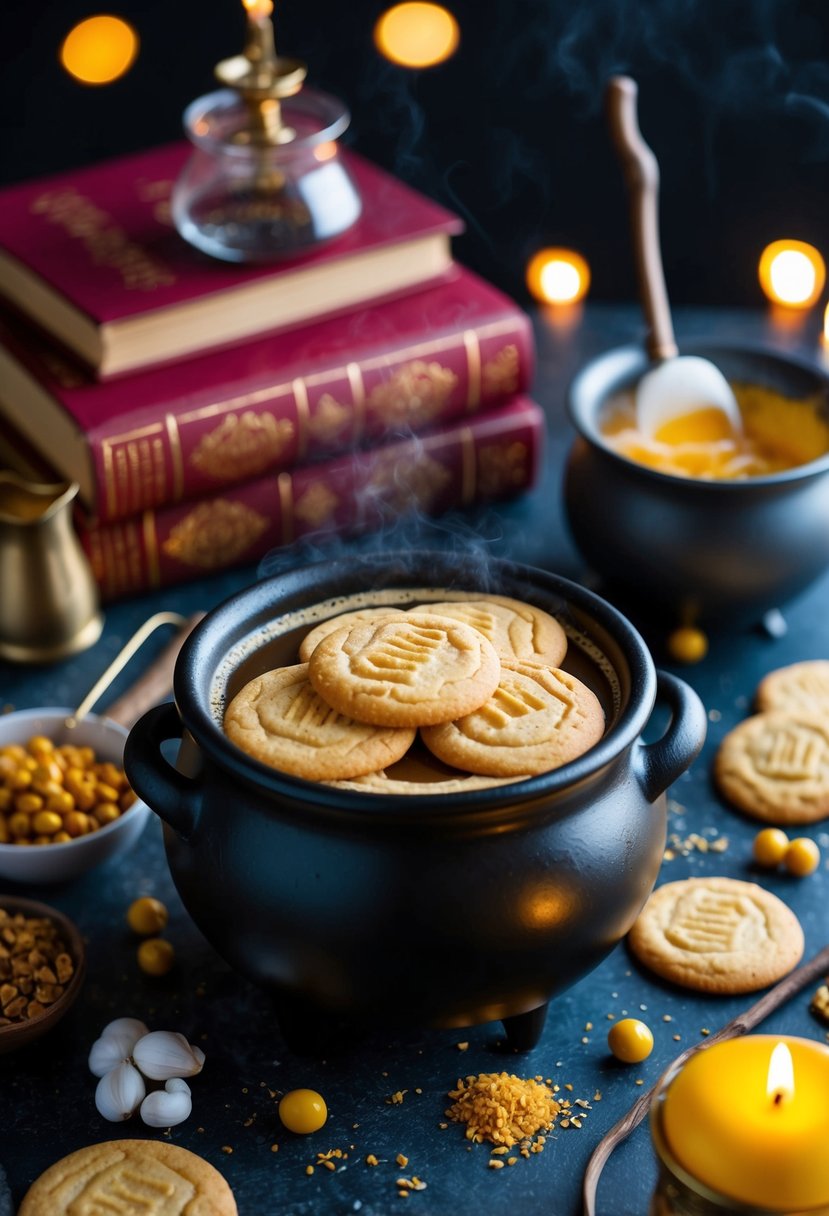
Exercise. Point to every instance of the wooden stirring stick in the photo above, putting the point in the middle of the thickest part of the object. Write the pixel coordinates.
(752, 1017)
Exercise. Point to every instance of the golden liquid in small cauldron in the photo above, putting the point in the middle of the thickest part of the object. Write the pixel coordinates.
(779, 433)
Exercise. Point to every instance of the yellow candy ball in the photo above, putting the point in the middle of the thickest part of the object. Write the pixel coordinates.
(630, 1041)
(303, 1111)
(156, 956)
(147, 916)
(802, 857)
(770, 846)
(687, 645)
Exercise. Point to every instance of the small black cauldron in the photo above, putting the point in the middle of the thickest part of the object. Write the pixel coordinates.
(720, 552)
(442, 910)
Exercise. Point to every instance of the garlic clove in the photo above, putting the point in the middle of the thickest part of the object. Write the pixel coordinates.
(120, 1092)
(115, 1044)
(168, 1106)
(164, 1054)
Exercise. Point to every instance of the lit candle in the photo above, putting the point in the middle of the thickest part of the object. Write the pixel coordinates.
(749, 1119)
(558, 276)
(792, 273)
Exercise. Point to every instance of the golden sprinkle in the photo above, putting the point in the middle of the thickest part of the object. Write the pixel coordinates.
(226, 1148)
(401, 1160)
(597, 1097)
(372, 1160)
(309, 1169)
(462, 1046)
(494, 1164)
(704, 1031)
(274, 1148)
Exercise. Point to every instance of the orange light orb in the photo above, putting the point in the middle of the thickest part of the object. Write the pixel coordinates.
(99, 49)
(558, 276)
(416, 34)
(792, 273)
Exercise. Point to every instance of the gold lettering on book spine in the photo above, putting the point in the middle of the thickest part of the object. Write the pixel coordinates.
(316, 506)
(500, 374)
(151, 549)
(242, 445)
(303, 416)
(285, 486)
(328, 419)
(358, 399)
(214, 534)
(176, 457)
(416, 393)
(106, 243)
(501, 469)
(407, 479)
(473, 370)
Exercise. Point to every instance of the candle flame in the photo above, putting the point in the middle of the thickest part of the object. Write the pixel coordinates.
(258, 8)
(780, 1083)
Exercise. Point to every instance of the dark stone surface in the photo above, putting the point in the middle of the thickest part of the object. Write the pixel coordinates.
(47, 1091)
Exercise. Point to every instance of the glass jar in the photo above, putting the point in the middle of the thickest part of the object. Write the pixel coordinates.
(245, 201)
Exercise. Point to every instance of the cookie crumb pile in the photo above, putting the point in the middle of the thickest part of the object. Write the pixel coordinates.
(502, 1108)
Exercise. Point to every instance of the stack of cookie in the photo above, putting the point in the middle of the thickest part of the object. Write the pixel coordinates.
(478, 682)
(774, 766)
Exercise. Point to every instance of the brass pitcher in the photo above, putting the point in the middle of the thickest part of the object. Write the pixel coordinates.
(48, 597)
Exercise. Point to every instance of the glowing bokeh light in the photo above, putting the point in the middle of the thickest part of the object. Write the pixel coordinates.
(99, 49)
(416, 34)
(558, 276)
(792, 273)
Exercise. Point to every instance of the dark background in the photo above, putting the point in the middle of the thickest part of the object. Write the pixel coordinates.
(734, 101)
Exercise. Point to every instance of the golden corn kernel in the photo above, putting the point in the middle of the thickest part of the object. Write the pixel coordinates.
(106, 812)
(61, 837)
(63, 802)
(76, 823)
(28, 803)
(46, 823)
(19, 824)
(39, 744)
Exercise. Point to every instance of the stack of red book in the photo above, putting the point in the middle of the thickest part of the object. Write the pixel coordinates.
(212, 412)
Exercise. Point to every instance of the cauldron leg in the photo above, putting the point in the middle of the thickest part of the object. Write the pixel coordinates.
(525, 1029)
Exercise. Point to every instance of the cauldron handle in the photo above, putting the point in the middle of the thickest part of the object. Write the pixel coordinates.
(660, 763)
(174, 797)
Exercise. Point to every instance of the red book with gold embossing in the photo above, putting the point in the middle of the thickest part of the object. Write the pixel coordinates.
(492, 456)
(190, 429)
(91, 256)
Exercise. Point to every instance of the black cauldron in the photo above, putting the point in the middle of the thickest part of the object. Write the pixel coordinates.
(442, 910)
(720, 552)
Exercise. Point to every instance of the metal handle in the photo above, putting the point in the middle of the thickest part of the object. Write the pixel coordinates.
(641, 170)
(660, 763)
(175, 798)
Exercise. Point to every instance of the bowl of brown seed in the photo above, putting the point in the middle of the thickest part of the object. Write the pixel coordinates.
(42, 966)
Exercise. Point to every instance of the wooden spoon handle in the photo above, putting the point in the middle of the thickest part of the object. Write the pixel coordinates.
(155, 684)
(641, 171)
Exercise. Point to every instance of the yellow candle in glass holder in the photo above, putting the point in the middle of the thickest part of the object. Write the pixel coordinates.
(749, 1118)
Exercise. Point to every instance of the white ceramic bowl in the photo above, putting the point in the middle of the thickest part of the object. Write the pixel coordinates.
(60, 862)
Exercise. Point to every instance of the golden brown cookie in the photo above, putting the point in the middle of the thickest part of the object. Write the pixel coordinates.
(717, 935)
(775, 767)
(311, 640)
(128, 1177)
(802, 688)
(408, 672)
(279, 719)
(537, 719)
(518, 631)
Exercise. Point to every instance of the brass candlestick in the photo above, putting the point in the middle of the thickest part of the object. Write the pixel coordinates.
(266, 180)
(262, 79)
